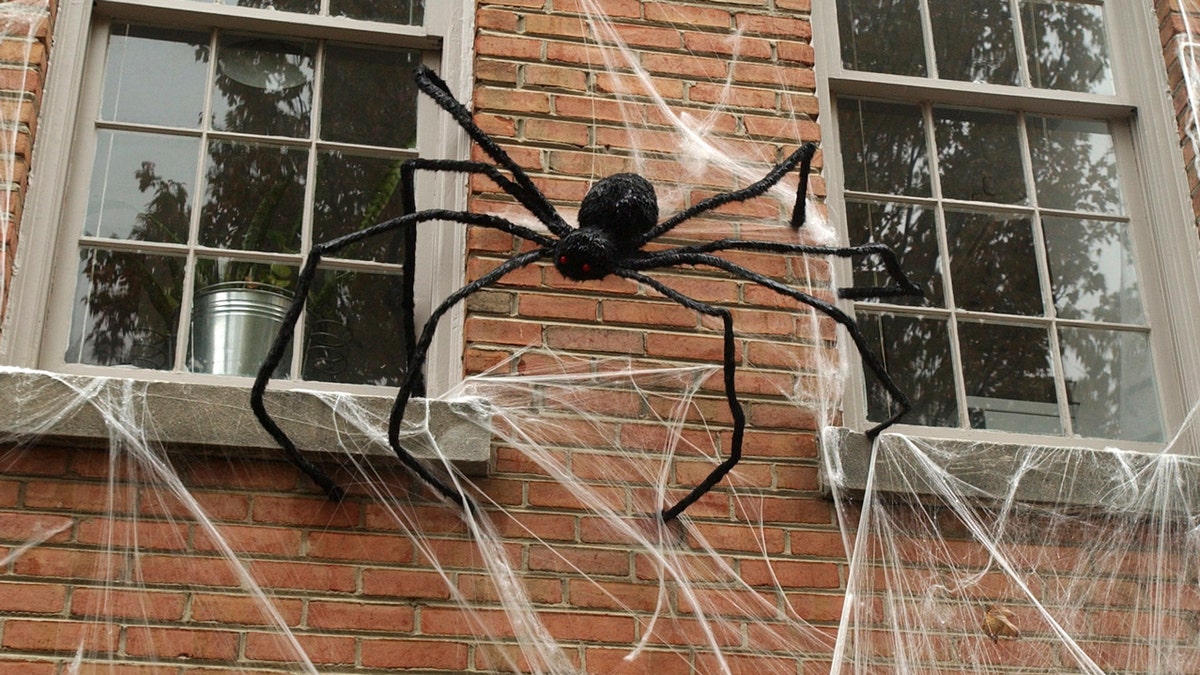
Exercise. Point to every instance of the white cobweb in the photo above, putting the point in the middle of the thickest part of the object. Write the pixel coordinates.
(130, 557)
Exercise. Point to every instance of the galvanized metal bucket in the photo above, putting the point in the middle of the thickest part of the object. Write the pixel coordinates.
(233, 326)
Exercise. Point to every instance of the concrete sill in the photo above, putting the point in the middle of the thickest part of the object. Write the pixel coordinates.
(1108, 478)
(35, 404)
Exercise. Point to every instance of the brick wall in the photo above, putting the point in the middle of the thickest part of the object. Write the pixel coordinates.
(1173, 30)
(355, 587)
(24, 36)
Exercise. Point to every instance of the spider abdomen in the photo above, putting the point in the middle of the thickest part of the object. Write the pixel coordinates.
(624, 205)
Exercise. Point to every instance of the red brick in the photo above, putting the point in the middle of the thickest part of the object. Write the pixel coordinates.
(359, 547)
(406, 583)
(450, 655)
(324, 649)
(361, 616)
(311, 511)
(244, 610)
(127, 604)
(59, 636)
(508, 47)
(593, 339)
(177, 643)
(32, 598)
(304, 576)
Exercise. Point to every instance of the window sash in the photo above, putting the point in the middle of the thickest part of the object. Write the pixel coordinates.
(1131, 54)
(49, 254)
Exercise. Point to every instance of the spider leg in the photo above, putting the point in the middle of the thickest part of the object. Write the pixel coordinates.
(534, 202)
(417, 361)
(801, 157)
(735, 407)
(675, 257)
(903, 285)
(304, 283)
(525, 191)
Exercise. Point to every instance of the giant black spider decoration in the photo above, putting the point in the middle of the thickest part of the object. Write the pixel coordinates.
(617, 218)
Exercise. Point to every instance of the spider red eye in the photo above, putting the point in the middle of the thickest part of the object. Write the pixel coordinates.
(587, 267)
(562, 260)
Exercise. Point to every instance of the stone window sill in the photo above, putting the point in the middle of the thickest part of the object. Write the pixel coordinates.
(53, 406)
(1066, 476)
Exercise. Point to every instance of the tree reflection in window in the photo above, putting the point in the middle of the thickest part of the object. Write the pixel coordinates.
(254, 145)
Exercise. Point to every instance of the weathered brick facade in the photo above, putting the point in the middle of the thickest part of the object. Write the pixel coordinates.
(356, 590)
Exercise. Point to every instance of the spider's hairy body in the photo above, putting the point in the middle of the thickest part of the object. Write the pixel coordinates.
(617, 218)
(614, 216)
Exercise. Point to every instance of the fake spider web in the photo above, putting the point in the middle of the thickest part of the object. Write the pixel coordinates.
(765, 579)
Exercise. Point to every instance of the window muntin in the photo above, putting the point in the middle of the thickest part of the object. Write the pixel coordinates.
(227, 167)
(403, 12)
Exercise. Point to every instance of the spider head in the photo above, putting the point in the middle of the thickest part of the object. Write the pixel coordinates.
(623, 205)
(585, 253)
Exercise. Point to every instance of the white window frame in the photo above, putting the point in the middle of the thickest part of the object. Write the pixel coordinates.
(1167, 260)
(46, 241)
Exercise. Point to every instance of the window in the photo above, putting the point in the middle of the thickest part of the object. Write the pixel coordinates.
(1004, 150)
(204, 150)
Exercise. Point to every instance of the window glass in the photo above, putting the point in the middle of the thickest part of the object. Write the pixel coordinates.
(973, 41)
(155, 76)
(916, 354)
(355, 109)
(354, 328)
(1066, 46)
(141, 186)
(403, 12)
(1065, 43)
(909, 230)
(254, 196)
(1009, 378)
(225, 202)
(1074, 164)
(979, 156)
(1110, 384)
(993, 263)
(883, 148)
(126, 309)
(882, 36)
(1092, 275)
(263, 86)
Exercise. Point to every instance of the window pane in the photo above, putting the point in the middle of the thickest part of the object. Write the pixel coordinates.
(141, 187)
(263, 86)
(254, 199)
(993, 264)
(155, 76)
(979, 156)
(1066, 46)
(1091, 270)
(302, 6)
(407, 12)
(1074, 164)
(881, 36)
(911, 232)
(916, 353)
(1009, 378)
(369, 97)
(126, 309)
(883, 147)
(1110, 382)
(354, 193)
(355, 330)
(973, 41)
(237, 311)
